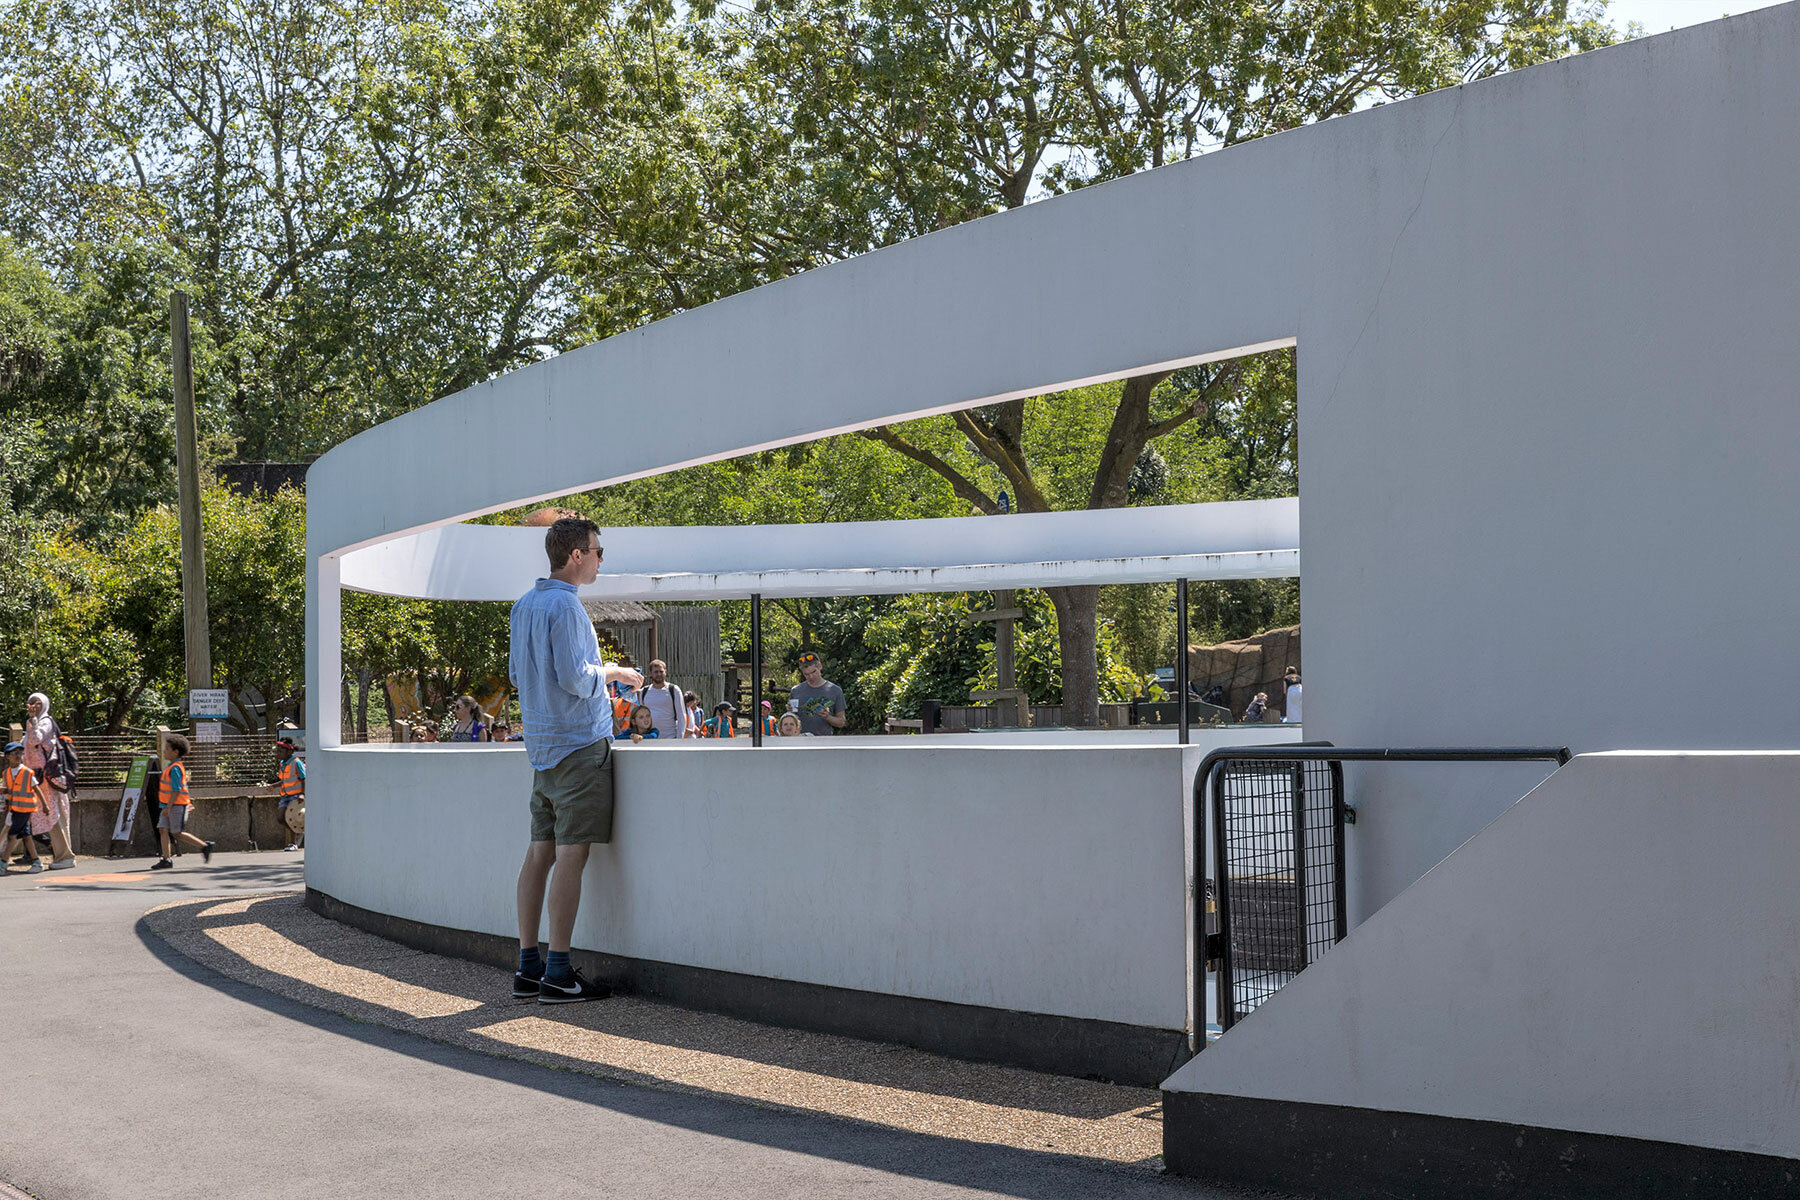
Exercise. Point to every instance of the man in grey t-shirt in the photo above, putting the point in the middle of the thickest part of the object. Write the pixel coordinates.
(820, 702)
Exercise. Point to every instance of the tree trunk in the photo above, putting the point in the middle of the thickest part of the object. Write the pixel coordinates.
(363, 681)
(1077, 617)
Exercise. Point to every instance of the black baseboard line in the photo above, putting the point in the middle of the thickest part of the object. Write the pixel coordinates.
(1327, 1151)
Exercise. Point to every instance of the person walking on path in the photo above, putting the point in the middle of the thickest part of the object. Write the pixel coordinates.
(566, 713)
(42, 755)
(819, 702)
(668, 715)
(177, 805)
(19, 783)
(290, 784)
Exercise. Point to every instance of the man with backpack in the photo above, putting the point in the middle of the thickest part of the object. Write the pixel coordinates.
(668, 715)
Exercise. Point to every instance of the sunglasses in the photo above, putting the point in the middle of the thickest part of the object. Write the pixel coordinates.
(596, 551)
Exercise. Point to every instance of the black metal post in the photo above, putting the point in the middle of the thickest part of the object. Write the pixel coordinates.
(1181, 660)
(756, 668)
(1299, 785)
(1221, 897)
(1339, 884)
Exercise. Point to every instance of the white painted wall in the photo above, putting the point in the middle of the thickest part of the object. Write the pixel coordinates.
(1546, 328)
(1618, 954)
(1549, 413)
(1038, 878)
(1547, 342)
(1246, 539)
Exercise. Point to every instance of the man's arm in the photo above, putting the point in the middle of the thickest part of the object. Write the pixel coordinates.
(836, 717)
(569, 664)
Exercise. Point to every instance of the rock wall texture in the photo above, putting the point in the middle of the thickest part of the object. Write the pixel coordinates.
(1247, 667)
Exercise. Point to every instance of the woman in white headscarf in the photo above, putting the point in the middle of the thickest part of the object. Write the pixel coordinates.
(40, 742)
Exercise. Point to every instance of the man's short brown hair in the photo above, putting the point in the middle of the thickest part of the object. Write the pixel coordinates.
(565, 536)
(176, 744)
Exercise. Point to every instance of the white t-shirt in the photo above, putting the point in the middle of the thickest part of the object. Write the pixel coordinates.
(1292, 716)
(668, 710)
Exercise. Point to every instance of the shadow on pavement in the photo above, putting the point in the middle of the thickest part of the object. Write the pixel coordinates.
(1029, 1175)
(851, 1060)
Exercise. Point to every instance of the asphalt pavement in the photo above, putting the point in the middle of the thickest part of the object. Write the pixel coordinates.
(138, 1074)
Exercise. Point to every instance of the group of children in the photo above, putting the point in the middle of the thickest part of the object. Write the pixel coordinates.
(636, 719)
(169, 799)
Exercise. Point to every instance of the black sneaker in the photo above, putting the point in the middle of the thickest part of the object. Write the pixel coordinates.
(206, 852)
(162, 864)
(524, 986)
(572, 992)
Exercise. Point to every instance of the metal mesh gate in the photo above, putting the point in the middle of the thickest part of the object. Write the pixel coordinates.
(1278, 838)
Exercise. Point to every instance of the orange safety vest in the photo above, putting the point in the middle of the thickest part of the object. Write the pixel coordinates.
(621, 714)
(291, 782)
(171, 793)
(769, 726)
(721, 727)
(21, 789)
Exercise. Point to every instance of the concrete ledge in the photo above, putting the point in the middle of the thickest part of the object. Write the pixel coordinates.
(1119, 1053)
(1363, 1154)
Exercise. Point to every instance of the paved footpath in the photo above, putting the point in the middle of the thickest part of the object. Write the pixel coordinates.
(137, 1073)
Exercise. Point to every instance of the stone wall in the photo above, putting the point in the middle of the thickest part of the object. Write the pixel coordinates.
(1247, 667)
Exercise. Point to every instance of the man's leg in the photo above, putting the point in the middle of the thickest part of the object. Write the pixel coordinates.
(162, 837)
(538, 859)
(565, 894)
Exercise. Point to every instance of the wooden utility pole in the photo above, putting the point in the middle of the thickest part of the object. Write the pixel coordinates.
(187, 466)
(1006, 691)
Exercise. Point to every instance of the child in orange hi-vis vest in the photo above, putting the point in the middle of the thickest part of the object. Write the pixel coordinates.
(177, 804)
(20, 785)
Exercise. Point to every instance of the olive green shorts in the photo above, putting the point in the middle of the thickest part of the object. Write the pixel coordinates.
(572, 802)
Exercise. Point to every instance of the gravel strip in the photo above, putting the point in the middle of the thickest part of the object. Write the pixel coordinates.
(275, 942)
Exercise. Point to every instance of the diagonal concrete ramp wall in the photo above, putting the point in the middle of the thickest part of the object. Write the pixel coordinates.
(1618, 954)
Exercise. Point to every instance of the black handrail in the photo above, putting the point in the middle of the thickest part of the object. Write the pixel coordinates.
(1300, 752)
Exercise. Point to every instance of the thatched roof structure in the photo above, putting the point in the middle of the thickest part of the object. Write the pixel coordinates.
(618, 613)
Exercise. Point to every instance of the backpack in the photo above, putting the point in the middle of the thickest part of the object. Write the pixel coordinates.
(60, 760)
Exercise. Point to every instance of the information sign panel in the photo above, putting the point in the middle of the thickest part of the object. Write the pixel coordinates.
(209, 704)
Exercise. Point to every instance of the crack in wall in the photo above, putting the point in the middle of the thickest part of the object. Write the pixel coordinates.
(1393, 250)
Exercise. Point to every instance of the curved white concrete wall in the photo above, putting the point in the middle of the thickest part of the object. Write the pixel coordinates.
(1618, 954)
(1548, 484)
(1249, 539)
(1044, 877)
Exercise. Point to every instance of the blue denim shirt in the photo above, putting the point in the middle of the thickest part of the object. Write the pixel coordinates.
(557, 670)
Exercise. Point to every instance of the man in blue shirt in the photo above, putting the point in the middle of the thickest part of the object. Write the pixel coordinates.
(567, 716)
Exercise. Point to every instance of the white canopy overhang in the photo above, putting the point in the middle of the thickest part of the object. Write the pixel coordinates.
(1251, 539)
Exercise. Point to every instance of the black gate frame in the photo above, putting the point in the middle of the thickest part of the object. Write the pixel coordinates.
(1216, 946)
